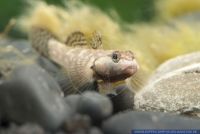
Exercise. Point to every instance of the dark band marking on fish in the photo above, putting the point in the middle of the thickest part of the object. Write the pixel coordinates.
(76, 38)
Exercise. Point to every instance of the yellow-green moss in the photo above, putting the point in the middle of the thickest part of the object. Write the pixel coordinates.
(173, 8)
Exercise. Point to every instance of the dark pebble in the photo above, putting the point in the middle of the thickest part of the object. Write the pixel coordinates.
(73, 101)
(23, 129)
(95, 130)
(123, 99)
(97, 106)
(33, 96)
(123, 123)
(77, 123)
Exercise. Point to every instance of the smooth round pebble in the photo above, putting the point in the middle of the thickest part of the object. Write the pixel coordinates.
(73, 101)
(95, 130)
(124, 123)
(37, 74)
(77, 123)
(97, 106)
(124, 100)
(33, 96)
(27, 128)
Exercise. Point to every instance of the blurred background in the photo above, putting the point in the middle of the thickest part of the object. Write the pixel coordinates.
(158, 29)
(128, 10)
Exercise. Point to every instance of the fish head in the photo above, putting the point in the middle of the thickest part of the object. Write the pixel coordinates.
(115, 66)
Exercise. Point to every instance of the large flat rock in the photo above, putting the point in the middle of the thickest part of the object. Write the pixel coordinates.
(176, 63)
(175, 87)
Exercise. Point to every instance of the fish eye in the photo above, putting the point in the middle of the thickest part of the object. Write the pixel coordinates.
(115, 57)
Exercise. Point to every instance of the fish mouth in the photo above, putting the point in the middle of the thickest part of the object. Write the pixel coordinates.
(131, 70)
(127, 72)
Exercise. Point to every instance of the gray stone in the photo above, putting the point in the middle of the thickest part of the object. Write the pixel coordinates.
(10, 57)
(95, 130)
(77, 123)
(177, 92)
(176, 63)
(123, 99)
(124, 123)
(39, 76)
(93, 104)
(23, 46)
(33, 96)
(23, 129)
(73, 101)
(97, 106)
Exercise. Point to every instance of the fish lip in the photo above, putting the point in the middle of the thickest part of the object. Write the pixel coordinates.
(131, 70)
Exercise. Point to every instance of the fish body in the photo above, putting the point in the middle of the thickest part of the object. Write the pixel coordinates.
(83, 65)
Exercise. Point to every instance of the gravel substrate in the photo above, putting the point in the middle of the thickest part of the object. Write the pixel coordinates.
(34, 100)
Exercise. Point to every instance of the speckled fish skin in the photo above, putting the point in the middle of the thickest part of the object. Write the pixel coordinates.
(84, 65)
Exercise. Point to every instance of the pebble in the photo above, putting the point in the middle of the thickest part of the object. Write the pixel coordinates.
(21, 45)
(124, 123)
(123, 99)
(27, 128)
(73, 101)
(77, 123)
(33, 96)
(95, 130)
(93, 104)
(97, 106)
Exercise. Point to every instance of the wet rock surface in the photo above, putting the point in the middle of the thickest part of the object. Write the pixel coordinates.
(123, 99)
(36, 98)
(23, 129)
(176, 91)
(93, 104)
(97, 106)
(176, 63)
(124, 123)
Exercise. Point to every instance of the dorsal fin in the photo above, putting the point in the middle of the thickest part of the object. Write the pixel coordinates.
(96, 40)
(76, 38)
